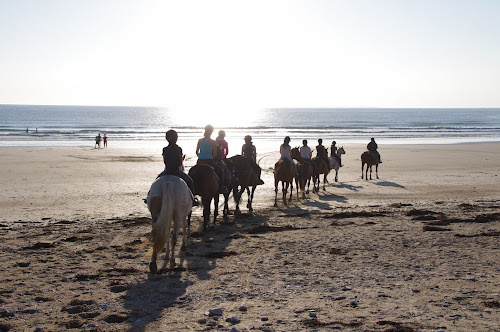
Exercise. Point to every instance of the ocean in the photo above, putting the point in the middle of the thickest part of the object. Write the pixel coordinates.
(145, 127)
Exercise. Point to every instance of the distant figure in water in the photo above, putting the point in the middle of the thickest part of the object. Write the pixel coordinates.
(372, 147)
(36, 130)
(105, 141)
(97, 142)
(27, 130)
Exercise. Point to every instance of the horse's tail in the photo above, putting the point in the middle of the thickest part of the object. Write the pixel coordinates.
(161, 227)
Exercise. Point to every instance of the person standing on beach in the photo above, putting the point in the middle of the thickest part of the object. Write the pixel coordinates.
(97, 142)
(206, 150)
(105, 141)
(322, 153)
(333, 153)
(372, 147)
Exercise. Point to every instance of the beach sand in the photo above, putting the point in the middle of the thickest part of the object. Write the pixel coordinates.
(415, 250)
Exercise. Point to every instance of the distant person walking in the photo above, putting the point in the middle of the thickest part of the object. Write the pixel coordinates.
(98, 141)
(105, 141)
(372, 147)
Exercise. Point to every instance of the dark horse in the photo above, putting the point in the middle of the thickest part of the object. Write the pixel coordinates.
(228, 183)
(248, 175)
(321, 168)
(369, 159)
(206, 185)
(284, 172)
(305, 170)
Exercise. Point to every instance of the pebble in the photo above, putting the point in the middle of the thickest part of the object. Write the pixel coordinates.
(64, 279)
(233, 320)
(264, 319)
(215, 312)
(202, 321)
(312, 314)
(339, 298)
(243, 308)
(104, 307)
(234, 329)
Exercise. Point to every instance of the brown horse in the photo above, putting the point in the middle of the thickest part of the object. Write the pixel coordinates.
(305, 171)
(247, 175)
(206, 185)
(370, 160)
(321, 168)
(228, 183)
(284, 172)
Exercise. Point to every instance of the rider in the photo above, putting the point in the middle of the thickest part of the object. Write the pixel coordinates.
(222, 145)
(285, 149)
(206, 150)
(306, 154)
(322, 153)
(250, 152)
(372, 147)
(172, 158)
(333, 153)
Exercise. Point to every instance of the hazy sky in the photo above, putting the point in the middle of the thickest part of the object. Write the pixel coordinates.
(242, 55)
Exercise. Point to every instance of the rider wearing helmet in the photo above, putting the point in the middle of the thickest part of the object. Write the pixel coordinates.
(172, 158)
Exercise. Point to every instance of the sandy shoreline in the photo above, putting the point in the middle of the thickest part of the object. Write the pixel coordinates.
(74, 252)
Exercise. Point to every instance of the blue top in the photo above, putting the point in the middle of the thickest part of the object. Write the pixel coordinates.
(205, 150)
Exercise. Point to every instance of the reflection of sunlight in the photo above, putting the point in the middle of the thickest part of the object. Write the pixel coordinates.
(223, 117)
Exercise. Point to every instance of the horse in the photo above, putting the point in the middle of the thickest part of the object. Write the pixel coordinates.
(247, 175)
(284, 172)
(305, 170)
(321, 168)
(169, 199)
(206, 185)
(228, 183)
(334, 164)
(369, 159)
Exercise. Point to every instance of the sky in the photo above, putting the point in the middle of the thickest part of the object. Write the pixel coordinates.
(203, 56)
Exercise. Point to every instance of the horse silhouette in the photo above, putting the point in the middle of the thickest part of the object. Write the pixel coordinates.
(305, 171)
(169, 200)
(321, 168)
(284, 172)
(248, 175)
(370, 160)
(206, 185)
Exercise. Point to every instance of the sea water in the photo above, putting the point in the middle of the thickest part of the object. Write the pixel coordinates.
(145, 127)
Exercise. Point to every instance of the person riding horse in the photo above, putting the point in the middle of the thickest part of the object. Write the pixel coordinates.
(250, 152)
(285, 149)
(322, 153)
(372, 147)
(333, 153)
(172, 158)
(206, 150)
(306, 154)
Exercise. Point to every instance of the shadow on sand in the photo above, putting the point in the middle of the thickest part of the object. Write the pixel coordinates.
(347, 186)
(389, 184)
(147, 299)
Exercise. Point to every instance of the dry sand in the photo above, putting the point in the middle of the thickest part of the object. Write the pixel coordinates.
(416, 250)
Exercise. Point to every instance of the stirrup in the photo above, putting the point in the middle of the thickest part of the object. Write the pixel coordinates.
(196, 202)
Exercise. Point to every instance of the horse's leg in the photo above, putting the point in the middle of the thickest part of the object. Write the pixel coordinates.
(291, 191)
(172, 251)
(376, 170)
(250, 208)
(153, 268)
(284, 190)
(206, 212)
(324, 181)
(362, 169)
(370, 172)
(186, 231)
(337, 175)
(216, 208)
(248, 197)
(225, 210)
(275, 193)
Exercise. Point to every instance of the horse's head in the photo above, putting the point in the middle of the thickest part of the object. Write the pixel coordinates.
(294, 153)
(341, 150)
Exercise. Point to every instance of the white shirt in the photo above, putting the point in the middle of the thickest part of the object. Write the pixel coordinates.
(305, 152)
(285, 151)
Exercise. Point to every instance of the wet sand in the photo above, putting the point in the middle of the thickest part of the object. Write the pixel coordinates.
(416, 249)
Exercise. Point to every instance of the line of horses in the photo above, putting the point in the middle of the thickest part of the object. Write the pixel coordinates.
(170, 200)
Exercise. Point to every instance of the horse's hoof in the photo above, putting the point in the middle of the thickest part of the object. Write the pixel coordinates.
(153, 268)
